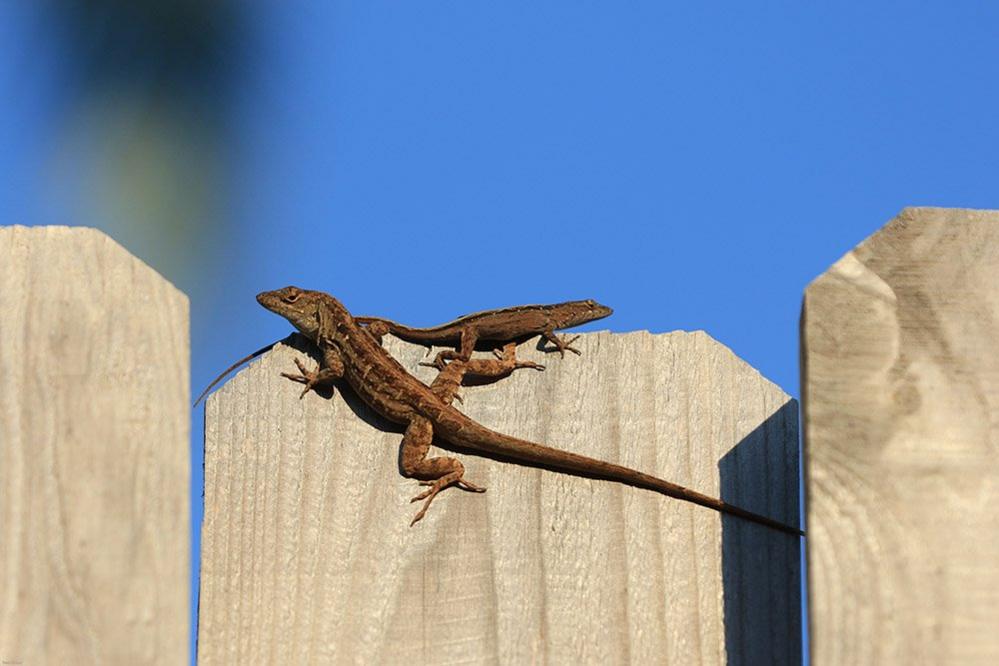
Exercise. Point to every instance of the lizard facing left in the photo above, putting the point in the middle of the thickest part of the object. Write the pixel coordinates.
(512, 324)
(350, 352)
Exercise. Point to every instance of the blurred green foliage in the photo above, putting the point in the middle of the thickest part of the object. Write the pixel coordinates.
(143, 142)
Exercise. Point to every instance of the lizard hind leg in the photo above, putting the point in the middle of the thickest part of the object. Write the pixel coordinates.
(464, 352)
(437, 473)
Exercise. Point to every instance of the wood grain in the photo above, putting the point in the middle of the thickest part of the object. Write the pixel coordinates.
(901, 380)
(94, 454)
(308, 557)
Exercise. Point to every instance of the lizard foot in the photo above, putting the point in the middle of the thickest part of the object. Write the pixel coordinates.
(308, 377)
(562, 345)
(440, 361)
(503, 356)
(435, 487)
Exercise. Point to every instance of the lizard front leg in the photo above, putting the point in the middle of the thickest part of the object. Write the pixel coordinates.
(561, 345)
(445, 386)
(506, 362)
(447, 382)
(469, 336)
(330, 369)
(438, 473)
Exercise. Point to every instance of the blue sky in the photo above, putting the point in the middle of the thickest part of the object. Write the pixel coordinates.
(693, 165)
(691, 168)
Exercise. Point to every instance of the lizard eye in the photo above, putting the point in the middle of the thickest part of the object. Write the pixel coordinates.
(291, 296)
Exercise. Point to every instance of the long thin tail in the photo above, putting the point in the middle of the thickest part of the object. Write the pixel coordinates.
(467, 433)
(231, 368)
(401, 331)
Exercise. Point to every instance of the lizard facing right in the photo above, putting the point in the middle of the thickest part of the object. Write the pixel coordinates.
(517, 323)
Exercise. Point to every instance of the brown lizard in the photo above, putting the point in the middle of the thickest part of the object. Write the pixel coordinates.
(350, 352)
(516, 323)
(513, 324)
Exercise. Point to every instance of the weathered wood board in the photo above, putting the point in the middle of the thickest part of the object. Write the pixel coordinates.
(308, 556)
(901, 404)
(94, 454)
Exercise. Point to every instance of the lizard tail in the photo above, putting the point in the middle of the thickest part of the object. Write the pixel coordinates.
(466, 433)
(407, 333)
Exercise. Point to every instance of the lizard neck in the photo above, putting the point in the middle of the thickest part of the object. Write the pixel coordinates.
(335, 322)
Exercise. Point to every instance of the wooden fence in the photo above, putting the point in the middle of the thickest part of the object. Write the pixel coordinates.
(900, 345)
(307, 554)
(94, 454)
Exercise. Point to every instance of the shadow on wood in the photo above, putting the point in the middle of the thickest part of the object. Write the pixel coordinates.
(761, 569)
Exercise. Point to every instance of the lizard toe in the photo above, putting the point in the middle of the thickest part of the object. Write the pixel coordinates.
(308, 377)
(470, 487)
(438, 485)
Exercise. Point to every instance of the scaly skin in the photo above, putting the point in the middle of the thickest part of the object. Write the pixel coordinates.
(516, 323)
(497, 327)
(349, 351)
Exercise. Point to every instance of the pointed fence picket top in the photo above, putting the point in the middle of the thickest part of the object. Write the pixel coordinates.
(94, 454)
(308, 556)
(900, 382)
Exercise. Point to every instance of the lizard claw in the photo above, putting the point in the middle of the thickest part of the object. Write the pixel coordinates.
(307, 377)
(443, 356)
(562, 345)
(435, 487)
(461, 483)
(566, 345)
(517, 363)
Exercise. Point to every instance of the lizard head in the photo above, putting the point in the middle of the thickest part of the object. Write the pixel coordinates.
(580, 312)
(299, 306)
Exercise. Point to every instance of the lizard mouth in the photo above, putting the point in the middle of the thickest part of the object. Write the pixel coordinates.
(265, 298)
(271, 300)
